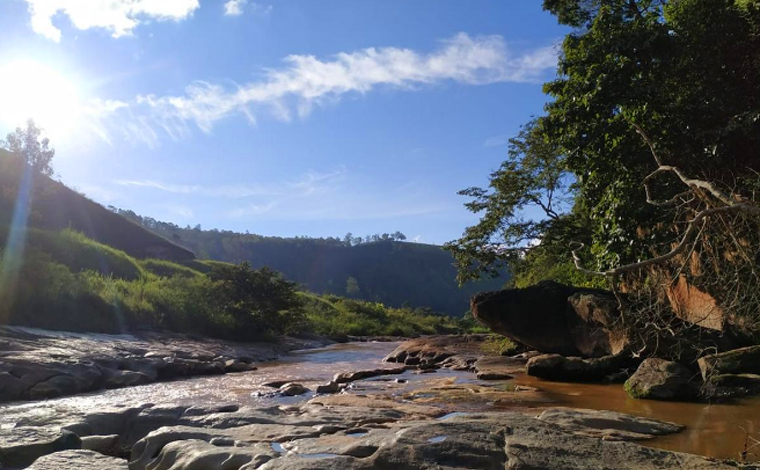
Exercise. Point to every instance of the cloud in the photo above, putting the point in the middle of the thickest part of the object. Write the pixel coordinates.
(310, 183)
(306, 81)
(496, 141)
(234, 7)
(119, 17)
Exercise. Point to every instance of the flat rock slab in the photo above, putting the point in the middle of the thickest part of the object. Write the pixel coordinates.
(499, 367)
(474, 441)
(608, 425)
(78, 460)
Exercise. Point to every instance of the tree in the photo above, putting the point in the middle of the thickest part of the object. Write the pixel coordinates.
(26, 143)
(259, 299)
(679, 79)
(352, 287)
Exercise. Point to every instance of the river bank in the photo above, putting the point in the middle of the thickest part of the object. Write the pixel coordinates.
(378, 421)
(37, 364)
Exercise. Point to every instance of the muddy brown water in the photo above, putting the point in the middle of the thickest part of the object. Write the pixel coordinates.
(713, 430)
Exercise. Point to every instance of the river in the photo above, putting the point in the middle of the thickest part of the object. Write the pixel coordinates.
(713, 430)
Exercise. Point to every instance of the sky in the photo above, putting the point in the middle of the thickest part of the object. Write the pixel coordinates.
(284, 118)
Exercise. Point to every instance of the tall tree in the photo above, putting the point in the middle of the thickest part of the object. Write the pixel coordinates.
(36, 152)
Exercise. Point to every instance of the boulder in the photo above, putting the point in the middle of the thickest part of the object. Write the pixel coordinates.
(346, 377)
(576, 369)
(659, 379)
(106, 445)
(544, 317)
(331, 387)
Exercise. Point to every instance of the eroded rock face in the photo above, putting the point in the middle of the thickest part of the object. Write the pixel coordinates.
(659, 379)
(553, 318)
(732, 373)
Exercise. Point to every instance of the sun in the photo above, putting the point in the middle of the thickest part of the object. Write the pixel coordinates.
(33, 90)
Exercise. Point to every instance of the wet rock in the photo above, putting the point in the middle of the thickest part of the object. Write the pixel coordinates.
(38, 364)
(21, 446)
(78, 460)
(437, 349)
(542, 317)
(574, 369)
(331, 387)
(293, 389)
(499, 367)
(276, 383)
(346, 377)
(608, 425)
(659, 379)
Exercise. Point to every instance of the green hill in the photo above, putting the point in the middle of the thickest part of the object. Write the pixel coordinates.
(393, 273)
(56, 207)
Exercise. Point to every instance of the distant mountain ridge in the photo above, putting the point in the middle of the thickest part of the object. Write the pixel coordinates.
(392, 272)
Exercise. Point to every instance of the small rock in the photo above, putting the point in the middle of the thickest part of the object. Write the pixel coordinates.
(331, 387)
(493, 376)
(573, 369)
(293, 389)
(106, 445)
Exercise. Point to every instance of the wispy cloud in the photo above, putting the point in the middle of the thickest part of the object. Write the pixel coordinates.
(119, 17)
(236, 7)
(307, 81)
(310, 183)
(496, 141)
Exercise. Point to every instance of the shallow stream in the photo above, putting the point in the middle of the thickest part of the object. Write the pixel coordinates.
(717, 430)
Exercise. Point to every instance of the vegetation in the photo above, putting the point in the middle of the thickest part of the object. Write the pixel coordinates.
(648, 150)
(338, 317)
(497, 345)
(387, 270)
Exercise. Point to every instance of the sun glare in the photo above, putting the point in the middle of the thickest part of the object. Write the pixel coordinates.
(34, 90)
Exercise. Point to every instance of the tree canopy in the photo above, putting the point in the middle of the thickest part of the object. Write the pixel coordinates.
(685, 74)
(36, 152)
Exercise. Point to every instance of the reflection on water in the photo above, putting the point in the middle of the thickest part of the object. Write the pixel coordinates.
(712, 430)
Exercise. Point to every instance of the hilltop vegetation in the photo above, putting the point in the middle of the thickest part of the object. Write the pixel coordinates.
(380, 268)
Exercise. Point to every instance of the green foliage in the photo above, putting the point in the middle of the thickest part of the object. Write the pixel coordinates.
(257, 298)
(686, 72)
(387, 271)
(496, 345)
(338, 317)
(26, 143)
(163, 268)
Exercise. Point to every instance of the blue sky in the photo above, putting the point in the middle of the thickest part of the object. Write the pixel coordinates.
(281, 118)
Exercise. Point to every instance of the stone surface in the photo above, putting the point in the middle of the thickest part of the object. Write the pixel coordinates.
(499, 367)
(395, 440)
(608, 425)
(439, 350)
(78, 460)
(21, 446)
(293, 389)
(541, 317)
(346, 377)
(38, 364)
(576, 369)
(738, 361)
(659, 379)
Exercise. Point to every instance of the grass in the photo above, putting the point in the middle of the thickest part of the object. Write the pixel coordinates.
(337, 317)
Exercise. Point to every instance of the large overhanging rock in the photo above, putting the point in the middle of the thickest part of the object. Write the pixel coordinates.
(554, 318)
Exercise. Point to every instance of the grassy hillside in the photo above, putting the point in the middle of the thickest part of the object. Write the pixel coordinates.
(390, 272)
(56, 207)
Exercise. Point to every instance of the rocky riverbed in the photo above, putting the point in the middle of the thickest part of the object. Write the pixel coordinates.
(436, 414)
